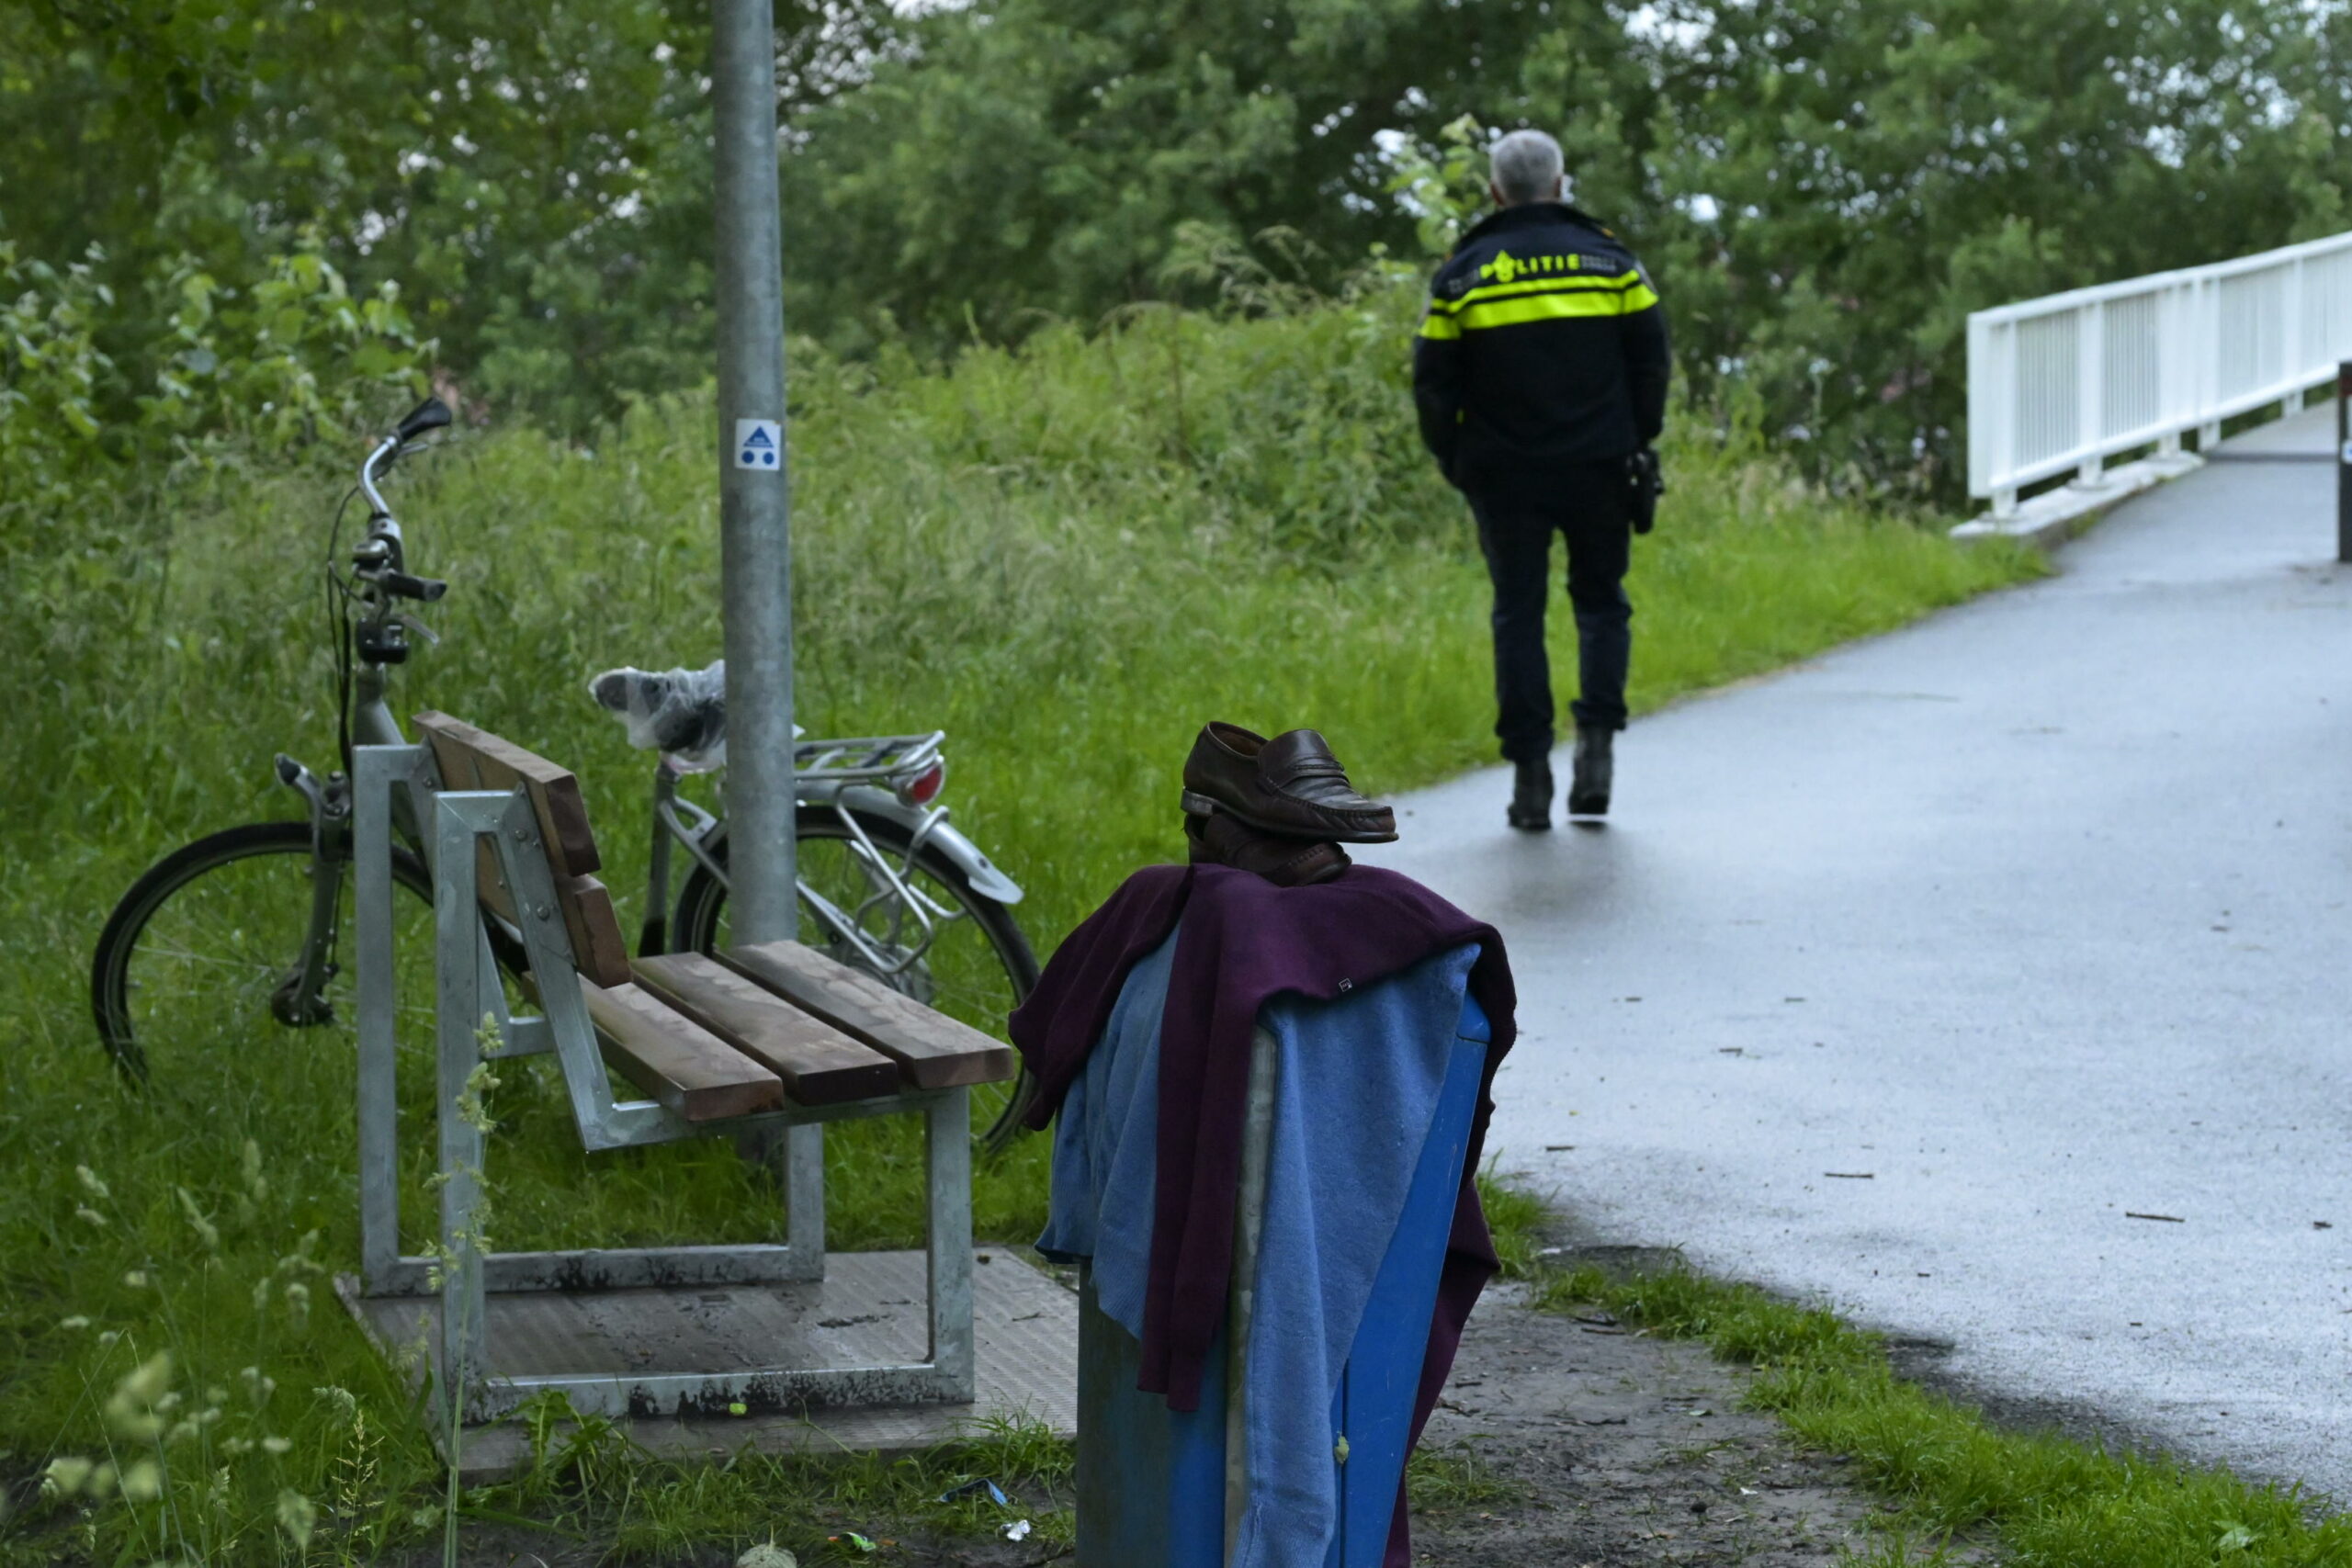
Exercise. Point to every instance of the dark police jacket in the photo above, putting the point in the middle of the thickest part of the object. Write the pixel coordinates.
(1543, 345)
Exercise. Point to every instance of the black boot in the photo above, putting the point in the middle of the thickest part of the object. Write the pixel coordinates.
(1531, 797)
(1589, 789)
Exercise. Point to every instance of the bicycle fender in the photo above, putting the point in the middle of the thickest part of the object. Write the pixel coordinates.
(959, 850)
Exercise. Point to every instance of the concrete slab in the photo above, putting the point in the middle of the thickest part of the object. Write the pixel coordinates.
(868, 1311)
(2050, 519)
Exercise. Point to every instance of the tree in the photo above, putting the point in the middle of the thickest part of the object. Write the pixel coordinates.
(1823, 188)
(535, 177)
(1046, 156)
(1826, 188)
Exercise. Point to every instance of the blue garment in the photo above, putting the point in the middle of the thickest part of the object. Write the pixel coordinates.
(1356, 1087)
(1354, 1096)
(1106, 1149)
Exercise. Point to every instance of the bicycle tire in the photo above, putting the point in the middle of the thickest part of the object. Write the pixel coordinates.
(701, 899)
(113, 965)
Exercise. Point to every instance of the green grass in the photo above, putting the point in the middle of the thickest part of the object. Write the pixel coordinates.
(1069, 558)
(1516, 1219)
(587, 1481)
(2050, 1501)
(1452, 1480)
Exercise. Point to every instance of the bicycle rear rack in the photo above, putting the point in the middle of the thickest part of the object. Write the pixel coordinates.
(866, 760)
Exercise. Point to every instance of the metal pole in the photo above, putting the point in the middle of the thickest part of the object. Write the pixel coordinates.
(755, 554)
(756, 543)
(2344, 462)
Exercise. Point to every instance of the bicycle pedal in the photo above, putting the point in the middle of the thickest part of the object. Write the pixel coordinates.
(1197, 803)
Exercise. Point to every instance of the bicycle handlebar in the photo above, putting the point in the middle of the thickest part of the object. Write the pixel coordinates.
(430, 415)
(378, 569)
(381, 457)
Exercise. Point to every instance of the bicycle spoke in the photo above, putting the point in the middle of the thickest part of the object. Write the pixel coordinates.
(199, 984)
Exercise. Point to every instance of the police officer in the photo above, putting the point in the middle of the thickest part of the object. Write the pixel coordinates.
(1540, 376)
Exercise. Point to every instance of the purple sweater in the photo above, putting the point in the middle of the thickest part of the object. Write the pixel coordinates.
(1244, 940)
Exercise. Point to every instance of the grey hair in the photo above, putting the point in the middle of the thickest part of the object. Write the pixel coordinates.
(1527, 167)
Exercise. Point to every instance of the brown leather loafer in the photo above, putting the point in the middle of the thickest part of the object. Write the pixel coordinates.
(1291, 785)
(1221, 839)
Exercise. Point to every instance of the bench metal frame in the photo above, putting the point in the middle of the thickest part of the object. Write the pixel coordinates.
(473, 1023)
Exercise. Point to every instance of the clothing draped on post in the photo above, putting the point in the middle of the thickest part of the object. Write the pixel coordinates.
(1175, 975)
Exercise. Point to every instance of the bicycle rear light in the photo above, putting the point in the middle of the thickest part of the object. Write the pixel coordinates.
(923, 788)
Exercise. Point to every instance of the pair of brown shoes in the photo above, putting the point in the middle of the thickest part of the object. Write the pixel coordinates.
(1279, 807)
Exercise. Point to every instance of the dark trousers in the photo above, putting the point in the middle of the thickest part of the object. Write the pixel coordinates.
(1588, 508)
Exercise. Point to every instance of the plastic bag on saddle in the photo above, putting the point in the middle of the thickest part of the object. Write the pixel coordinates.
(680, 713)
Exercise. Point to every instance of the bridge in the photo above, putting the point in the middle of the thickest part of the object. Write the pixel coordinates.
(2066, 383)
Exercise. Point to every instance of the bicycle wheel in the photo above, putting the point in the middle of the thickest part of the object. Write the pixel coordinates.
(201, 954)
(977, 969)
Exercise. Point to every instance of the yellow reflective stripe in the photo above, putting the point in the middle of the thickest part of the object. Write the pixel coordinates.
(1541, 286)
(1541, 308)
(1440, 329)
(1640, 297)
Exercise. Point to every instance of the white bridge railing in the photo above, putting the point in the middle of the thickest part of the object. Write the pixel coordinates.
(2066, 382)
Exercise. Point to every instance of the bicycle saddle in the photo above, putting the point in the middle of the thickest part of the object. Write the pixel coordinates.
(680, 713)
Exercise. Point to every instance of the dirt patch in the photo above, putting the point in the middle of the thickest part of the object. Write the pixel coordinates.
(1577, 1440)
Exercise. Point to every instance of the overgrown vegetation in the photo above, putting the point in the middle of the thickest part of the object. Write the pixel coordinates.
(2051, 1501)
(1067, 556)
(228, 374)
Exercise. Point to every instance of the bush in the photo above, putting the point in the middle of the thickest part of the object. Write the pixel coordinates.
(259, 378)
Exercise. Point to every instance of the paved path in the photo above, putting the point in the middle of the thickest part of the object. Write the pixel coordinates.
(2039, 914)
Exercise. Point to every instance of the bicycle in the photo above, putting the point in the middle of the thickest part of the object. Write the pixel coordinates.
(884, 879)
(249, 921)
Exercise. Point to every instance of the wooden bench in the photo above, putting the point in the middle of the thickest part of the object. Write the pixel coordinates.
(775, 1035)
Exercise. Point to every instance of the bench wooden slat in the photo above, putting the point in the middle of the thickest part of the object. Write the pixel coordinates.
(472, 758)
(598, 948)
(933, 1050)
(591, 925)
(674, 1060)
(818, 1064)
